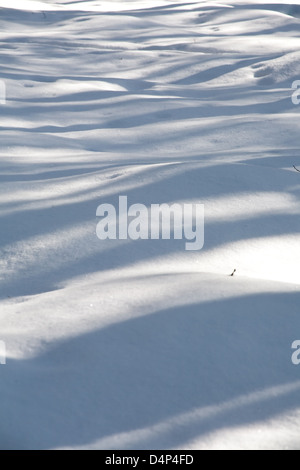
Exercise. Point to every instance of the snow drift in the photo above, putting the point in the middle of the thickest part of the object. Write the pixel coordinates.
(142, 345)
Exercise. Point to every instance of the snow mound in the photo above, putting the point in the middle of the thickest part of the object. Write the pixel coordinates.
(283, 70)
(124, 344)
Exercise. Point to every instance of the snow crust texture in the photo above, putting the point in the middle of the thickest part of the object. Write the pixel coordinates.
(123, 344)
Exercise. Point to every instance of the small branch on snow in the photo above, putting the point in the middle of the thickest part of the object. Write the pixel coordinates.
(296, 169)
(231, 275)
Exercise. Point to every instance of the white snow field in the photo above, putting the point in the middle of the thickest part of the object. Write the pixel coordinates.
(122, 344)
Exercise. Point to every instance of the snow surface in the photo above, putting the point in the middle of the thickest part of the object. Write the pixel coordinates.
(142, 345)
